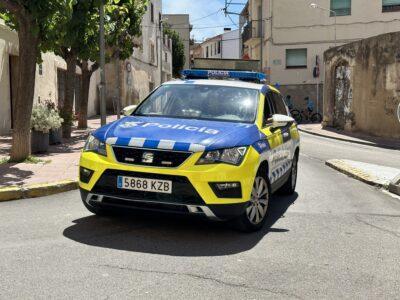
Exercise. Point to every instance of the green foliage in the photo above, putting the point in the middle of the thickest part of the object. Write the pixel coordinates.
(178, 51)
(44, 18)
(43, 119)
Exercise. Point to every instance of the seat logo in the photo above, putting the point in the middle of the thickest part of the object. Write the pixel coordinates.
(148, 157)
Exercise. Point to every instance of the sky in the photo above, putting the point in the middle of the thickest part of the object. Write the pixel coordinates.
(201, 8)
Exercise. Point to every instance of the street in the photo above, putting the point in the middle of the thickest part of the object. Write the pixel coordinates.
(336, 238)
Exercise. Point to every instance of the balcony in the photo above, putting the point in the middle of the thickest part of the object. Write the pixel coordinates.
(252, 30)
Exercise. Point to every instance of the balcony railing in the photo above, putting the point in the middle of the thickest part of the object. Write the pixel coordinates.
(252, 30)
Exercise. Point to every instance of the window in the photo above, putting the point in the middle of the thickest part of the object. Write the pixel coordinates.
(152, 12)
(207, 52)
(341, 7)
(296, 58)
(211, 53)
(278, 104)
(267, 109)
(219, 47)
(215, 49)
(166, 57)
(390, 5)
(40, 69)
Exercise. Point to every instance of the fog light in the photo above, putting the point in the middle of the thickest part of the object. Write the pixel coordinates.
(85, 174)
(226, 189)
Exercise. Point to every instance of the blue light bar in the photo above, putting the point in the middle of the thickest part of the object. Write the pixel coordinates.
(220, 74)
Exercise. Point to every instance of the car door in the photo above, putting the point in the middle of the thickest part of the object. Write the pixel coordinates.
(280, 107)
(274, 139)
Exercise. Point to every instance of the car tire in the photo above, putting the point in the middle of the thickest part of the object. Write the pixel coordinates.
(256, 211)
(290, 185)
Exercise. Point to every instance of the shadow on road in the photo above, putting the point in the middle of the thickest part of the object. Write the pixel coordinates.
(172, 235)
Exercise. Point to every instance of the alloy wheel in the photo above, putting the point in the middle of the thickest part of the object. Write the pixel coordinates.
(258, 204)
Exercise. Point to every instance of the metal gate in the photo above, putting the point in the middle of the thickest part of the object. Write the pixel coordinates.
(343, 96)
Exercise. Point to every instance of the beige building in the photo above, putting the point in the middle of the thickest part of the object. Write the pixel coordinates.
(133, 79)
(250, 22)
(48, 83)
(296, 35)
(180, 23)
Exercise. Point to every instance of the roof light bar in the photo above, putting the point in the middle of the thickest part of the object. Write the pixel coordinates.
(221, 74)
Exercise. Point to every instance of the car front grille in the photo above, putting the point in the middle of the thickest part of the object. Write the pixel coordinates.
(150, 157)
(183, 191)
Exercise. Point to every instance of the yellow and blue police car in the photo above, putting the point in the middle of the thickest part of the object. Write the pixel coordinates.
(217, 148)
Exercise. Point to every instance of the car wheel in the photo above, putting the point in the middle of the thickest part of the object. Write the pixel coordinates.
(290, 185)
(256, 210)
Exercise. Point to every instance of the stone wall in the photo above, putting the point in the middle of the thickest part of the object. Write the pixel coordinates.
(362, 86)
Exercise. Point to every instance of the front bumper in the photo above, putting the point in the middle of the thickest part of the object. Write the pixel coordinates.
(212, 212)
(191, 185)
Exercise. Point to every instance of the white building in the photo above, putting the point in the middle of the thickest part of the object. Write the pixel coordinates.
(225, 45)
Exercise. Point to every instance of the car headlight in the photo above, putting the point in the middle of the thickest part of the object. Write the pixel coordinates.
(94, 145)
(232, 156)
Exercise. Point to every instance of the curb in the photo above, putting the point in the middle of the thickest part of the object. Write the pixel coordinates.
(349, 141)
(37, 190)
(394, 186)
(355, 173)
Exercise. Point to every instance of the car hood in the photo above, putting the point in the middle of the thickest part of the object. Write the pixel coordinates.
(178, 134)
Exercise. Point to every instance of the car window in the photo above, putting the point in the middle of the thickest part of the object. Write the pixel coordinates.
(268, 111)
(204, 102)
(279, 104)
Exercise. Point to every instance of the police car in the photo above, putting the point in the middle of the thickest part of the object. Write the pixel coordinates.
(203, 146)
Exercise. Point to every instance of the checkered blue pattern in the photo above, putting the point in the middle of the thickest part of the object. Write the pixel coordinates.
(153, 144)
(279, 172)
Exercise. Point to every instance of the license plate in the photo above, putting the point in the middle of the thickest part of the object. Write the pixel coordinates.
(144, 184)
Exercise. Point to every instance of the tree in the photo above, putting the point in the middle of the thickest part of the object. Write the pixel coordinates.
(78, 45)
(35, 22)
(123, 24)
(178, 51)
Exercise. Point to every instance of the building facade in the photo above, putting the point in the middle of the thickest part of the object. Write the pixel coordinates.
(251, 27)
(296, 35)
(180, 23)
(223, 46)
(150, 65)
(49, 80)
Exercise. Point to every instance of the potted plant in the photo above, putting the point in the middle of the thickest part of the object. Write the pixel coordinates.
(40, 124)
(55, 130)
(55, 133)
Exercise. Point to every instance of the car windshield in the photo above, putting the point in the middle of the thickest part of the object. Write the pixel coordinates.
(204, 102)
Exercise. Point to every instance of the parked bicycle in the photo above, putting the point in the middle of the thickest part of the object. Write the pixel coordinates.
(304, 116)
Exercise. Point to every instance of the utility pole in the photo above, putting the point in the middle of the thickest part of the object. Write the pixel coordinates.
(161, 50)
(103, 116)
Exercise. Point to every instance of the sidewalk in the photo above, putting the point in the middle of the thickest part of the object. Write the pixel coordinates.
(58, 171)
(378, 176)
(353, 137)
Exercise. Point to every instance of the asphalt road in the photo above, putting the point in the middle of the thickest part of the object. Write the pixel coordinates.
(336, 238)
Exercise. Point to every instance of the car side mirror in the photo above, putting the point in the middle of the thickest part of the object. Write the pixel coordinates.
(278, 121)
(127, 111)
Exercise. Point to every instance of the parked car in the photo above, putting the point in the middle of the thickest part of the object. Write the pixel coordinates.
(218, 148)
